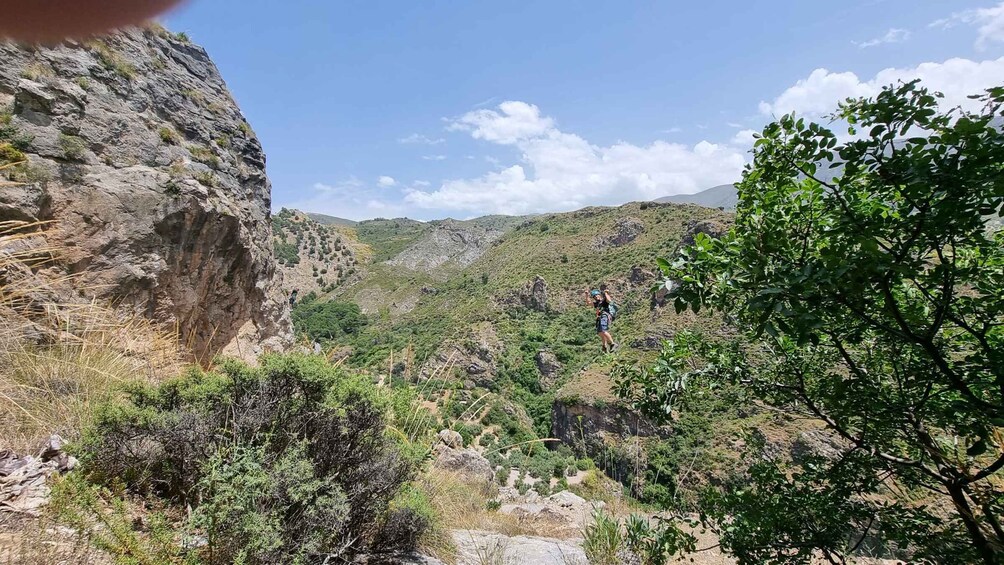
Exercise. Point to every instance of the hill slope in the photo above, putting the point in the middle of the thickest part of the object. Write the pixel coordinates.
(326, 220)
(722, 196)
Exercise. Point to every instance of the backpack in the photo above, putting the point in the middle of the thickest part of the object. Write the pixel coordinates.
(613, 311)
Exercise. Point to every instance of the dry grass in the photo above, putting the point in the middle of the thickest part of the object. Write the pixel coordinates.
(39, 542)
(58, 359)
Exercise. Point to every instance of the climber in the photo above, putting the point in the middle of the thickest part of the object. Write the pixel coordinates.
(292, 297)
(601, 301)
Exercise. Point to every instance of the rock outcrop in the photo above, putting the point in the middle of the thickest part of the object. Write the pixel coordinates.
(474, 358)
(625, 231)
(450, 455)
(549, 367)
(156, 184)
(449, 243)
(24, 480)
(533, 296)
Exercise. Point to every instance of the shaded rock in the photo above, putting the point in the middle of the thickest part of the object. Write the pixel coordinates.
(533, 296)
(155, 181)
(651, 342)
(24, 480)
(549, 368)
(640, 276)
(467, 462)
(817, 443)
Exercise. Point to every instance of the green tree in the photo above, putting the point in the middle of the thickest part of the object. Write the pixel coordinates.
(327, 320)
(870, 299)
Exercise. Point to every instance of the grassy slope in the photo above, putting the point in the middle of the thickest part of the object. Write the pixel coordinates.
(557, 247)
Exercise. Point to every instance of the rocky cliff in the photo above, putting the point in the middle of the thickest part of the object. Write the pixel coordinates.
(134, 148)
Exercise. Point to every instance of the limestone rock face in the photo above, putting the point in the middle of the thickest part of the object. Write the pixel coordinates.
(449, 243)
(153, 180)
(549, 368)
(624, 232)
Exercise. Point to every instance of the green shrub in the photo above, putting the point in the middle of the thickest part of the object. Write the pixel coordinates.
(280, 463)
(73, 147)
(286, 253)
(327, 320)
(207, 178)
(10, 154)
(168, 135)
(112, 60)
(204, 155)
(409, 515)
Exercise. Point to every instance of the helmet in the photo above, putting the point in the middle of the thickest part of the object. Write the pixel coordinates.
(594, 293)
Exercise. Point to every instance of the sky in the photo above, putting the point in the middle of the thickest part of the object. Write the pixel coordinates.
(460, 108)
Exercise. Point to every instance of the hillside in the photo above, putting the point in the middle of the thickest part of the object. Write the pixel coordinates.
(722, 196)
(313, 257)
(326, 220)
(506, 322)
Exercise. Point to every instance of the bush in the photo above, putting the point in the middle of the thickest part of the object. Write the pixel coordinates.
(286, 253)
(168, 135)
(327, 320)
(73, 147)
(409, 516)
(281, 462)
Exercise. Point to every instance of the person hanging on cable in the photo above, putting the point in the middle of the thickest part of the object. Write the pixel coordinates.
(606, 311)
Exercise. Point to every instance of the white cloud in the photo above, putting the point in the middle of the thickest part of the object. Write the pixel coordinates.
(989, 20)
(422, 183)
(386, 182)
(434, 157)
(819, 93)
(421, 139)
(672, 130)
(562, 171)
(894, 35)
(349, 198)
(744, 138)
(513, 122)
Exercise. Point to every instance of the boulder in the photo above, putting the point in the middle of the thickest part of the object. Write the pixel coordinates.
(467, 462)
(549, 368)
(451, 439)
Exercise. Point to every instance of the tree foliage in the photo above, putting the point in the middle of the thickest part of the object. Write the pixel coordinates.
(866, 290)
(327, 320)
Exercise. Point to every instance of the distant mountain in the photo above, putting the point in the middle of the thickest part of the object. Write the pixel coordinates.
(326, 220)
(723, 196)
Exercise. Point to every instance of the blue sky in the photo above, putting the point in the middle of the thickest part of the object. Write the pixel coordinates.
(430, 109)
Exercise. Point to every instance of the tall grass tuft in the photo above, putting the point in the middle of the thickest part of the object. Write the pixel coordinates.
(59, 358)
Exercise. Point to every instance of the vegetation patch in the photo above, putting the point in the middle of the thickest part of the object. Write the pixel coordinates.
(280, 463)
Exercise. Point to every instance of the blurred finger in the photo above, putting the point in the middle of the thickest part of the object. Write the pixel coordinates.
(46, 21)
